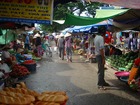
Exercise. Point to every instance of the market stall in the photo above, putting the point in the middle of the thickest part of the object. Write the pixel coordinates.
(124, 58)
(11, 52)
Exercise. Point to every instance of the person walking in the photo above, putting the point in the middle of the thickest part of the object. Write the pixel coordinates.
(90, 51)
(61, 45)
(27, 42)
(68, 47)
(100, 56)
(38, 44)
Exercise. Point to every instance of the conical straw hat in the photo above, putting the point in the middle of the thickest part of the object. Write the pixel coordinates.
(67, 35)
(20, 50)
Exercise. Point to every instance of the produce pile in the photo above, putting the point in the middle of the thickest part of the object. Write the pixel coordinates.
(19, 71)
(122, 62)
(29, 62)
(11, 51)
(77, 41)
(80, 52)
(21, 95)
(137, 62)
(36, 58)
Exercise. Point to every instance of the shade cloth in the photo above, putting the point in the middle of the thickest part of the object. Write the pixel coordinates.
(123, 3)
(89, 27)
(127, 20)
(102, 13)
(80, 21)
(59, 21)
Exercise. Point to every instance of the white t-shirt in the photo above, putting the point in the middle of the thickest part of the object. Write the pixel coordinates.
(99, 44)
(130, 35)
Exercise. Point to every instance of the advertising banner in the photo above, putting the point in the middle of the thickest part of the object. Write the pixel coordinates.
(30, 11)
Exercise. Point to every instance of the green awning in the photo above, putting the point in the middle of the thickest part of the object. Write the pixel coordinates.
(102, 13)
(59, 21)
(135, 4)
(80, 21)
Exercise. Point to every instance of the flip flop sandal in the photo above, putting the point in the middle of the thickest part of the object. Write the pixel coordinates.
(101, 88)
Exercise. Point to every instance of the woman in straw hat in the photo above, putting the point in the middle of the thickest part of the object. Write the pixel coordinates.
(38, 44)
(68, 46)
(19, 57)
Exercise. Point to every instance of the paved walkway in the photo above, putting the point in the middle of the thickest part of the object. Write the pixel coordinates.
(79, 80)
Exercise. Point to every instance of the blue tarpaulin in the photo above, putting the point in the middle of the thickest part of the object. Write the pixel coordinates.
(90, 27)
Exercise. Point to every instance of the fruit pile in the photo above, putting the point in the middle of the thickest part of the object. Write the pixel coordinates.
(122, 62)
(29, 62)
(19, 71)
(137, 62)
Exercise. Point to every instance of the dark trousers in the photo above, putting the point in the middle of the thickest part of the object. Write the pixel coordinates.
(27, 46)
(61, 52)
(101, 80)
(69, 53)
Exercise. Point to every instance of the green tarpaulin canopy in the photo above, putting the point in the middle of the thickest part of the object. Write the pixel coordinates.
(127, 20)
(80, 21)
(102, 13)
(123, 3)
(7, 36)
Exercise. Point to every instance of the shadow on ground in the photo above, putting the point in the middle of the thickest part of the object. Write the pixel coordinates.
(102, 99)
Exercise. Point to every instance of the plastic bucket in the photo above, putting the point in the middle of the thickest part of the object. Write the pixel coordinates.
(124, 79)
(30, 67)
(122, 73)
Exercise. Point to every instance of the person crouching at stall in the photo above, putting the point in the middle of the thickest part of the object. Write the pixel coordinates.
(19, 56)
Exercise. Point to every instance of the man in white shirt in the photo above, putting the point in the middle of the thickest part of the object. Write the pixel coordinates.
(100, 56)
(61, 46)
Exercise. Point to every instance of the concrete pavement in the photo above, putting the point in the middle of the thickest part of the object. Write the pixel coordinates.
(79, 80)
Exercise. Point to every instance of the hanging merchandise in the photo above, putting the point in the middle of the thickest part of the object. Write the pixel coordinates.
(130, 35)
(118, 38)
(126, 43)
(131, 46)
(138, 43)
